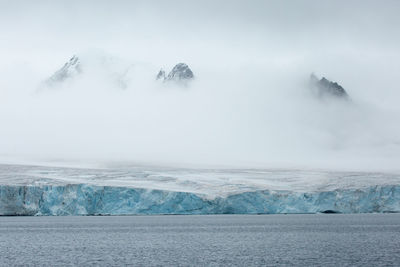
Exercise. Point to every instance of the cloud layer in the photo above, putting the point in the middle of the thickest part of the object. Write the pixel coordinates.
(249, 105)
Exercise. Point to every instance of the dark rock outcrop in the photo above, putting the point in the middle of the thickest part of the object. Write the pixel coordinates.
(181, 72)
(161, 75)
(324, 88)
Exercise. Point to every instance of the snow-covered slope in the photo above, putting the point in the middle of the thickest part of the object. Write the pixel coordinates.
(30, 190)
(92, 67)
(69, 70)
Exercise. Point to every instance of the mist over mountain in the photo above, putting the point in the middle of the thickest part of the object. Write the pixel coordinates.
(79, 83)
(325, 88)
(69, 70)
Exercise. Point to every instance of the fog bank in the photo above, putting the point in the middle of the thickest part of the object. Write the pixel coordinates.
(249, 104)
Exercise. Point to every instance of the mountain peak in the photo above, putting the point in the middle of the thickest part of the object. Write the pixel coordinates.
(70, 68)
(324, 87)
(160, 75)
(180, 72)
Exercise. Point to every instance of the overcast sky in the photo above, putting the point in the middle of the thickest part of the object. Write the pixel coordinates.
(249, 105)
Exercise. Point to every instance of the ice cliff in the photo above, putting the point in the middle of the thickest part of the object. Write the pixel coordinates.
(83, 199)
(41, 190)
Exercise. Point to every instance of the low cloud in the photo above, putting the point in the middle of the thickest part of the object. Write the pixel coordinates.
(249, 104)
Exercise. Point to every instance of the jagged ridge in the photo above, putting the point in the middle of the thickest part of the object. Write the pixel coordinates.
(180, 72)
(324, 87)
(71, 68)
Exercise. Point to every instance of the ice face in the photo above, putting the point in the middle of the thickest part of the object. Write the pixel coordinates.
(105, 200)
(38, 190)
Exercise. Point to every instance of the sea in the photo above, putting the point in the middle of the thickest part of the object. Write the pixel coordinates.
(203, 240)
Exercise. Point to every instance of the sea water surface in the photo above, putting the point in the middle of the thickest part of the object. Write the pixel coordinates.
(204, 240)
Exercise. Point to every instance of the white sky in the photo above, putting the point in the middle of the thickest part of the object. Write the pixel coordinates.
(249, 105)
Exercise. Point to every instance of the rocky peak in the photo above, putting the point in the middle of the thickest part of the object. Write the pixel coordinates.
(181, 72)
(161, 75)
(71, 68)
(325, 87)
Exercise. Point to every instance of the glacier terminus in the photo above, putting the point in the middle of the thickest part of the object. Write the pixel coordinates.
(37, 190)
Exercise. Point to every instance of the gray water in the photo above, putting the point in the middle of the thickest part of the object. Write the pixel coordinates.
(220, 240)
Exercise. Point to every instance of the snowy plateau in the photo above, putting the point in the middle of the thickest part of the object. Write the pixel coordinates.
(37, 190)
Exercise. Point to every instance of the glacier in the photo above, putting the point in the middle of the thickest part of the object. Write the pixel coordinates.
(35, 190)
(105, 200)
